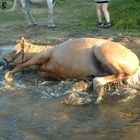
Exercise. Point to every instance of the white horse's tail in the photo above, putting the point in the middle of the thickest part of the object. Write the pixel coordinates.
(134, 80)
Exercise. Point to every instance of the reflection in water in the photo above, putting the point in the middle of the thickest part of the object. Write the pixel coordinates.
(31, 111)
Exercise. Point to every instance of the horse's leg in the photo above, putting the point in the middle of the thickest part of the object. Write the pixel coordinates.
(50, 22)
(47, 70)
(26, 6)
(99, 82)
(49, 75)
(36, 60)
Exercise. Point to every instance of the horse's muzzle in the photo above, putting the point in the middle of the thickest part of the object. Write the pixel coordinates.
(6, 65)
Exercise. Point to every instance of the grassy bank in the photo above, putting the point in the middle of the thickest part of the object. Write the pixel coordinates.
(125, 14)
(73, 18)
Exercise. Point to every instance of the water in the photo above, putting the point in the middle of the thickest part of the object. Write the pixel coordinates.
(32, 111)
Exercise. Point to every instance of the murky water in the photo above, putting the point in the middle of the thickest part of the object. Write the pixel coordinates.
(32, 111)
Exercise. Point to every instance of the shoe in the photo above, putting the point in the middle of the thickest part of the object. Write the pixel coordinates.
(107, 25)
(100, 24)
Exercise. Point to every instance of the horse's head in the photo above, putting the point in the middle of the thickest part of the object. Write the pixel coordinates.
(17, 56)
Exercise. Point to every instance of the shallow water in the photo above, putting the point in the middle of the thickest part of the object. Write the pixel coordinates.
(32, 111)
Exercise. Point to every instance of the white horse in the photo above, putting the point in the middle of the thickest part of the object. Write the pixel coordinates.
(27, 5)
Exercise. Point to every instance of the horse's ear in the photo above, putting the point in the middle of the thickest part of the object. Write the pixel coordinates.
(23, 42)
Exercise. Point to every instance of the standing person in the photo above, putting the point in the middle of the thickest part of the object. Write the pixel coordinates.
(102, 9)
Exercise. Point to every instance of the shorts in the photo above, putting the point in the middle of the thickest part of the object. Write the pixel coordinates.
(102, 1)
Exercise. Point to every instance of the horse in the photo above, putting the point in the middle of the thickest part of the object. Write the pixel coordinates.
(99, 60)
(27, 5)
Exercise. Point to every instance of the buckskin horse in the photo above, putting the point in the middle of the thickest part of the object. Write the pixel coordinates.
(27, 5)
(99, 60)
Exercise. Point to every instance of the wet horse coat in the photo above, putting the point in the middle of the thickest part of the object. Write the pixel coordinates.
(84, 58)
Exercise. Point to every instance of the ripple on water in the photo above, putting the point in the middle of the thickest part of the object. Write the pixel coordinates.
(5, 49)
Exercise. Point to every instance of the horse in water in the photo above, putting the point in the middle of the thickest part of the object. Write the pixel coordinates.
(27, 5)
(99, 60)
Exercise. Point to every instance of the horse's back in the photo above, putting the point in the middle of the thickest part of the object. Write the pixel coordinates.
(91, 56)
(75, 57)
(76, 48)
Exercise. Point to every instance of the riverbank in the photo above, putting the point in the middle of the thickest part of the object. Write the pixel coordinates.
(71, 22)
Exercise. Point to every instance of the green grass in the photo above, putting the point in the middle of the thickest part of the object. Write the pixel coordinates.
(6, 17)
(78, 16)
(10, 16)
(125, 14)
(73, 18)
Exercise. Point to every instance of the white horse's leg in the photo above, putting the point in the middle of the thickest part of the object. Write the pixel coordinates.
(51, 4)
(26, 6)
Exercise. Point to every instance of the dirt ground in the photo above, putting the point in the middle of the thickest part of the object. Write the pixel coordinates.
(70, 23)
(55, 36)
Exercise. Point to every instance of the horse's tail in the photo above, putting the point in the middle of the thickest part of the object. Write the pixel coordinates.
(134, 80)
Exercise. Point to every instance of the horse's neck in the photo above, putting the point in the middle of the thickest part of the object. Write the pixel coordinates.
(34, 49)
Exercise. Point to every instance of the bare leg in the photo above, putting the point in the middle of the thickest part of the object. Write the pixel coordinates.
(105, 12)
(99, 12)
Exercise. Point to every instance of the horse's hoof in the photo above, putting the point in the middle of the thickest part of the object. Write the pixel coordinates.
(98, 100)
(32, 25)
(8, 76)
(51, 26)
(35, 25)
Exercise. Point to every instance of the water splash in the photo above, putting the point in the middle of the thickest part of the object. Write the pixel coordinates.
(76, 92)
